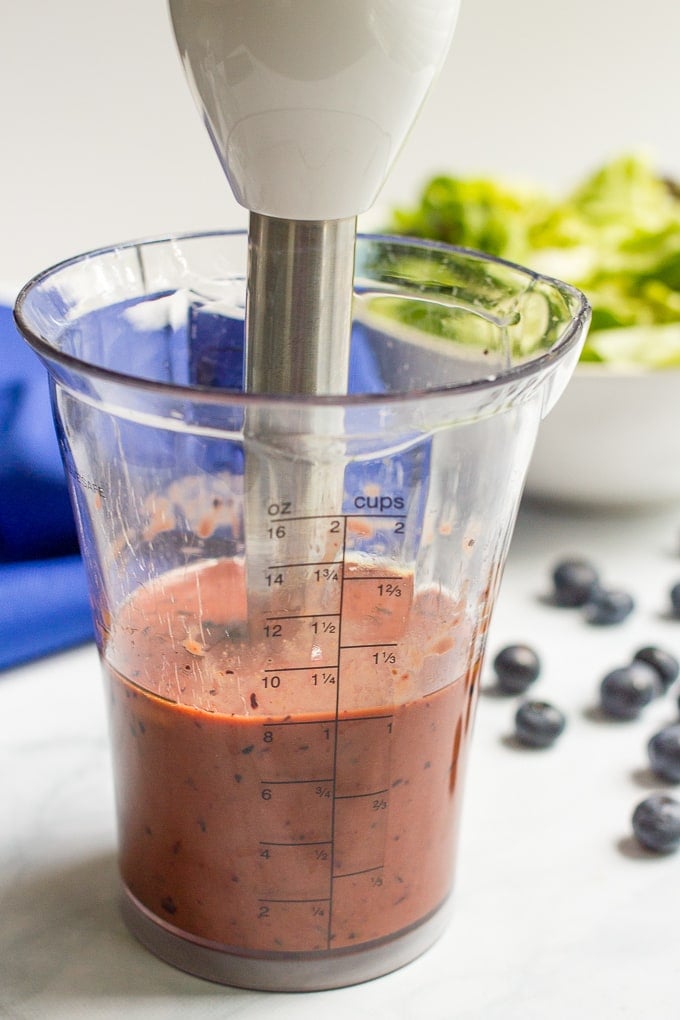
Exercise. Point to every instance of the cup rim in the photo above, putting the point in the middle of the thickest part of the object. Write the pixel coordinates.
(570, 339)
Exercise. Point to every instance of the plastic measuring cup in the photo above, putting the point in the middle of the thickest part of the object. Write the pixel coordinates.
(292, 595)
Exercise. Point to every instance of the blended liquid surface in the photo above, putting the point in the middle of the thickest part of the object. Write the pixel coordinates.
(299, 792)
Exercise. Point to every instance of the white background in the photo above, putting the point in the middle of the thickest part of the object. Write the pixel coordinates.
(101, 141)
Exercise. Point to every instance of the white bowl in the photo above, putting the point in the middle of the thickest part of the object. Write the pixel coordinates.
(612, 441)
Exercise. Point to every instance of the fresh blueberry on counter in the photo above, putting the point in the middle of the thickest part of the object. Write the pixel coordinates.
(516, 667)
(538, 723)
(656, 823)
(625, 691)
(663, 662)
(608, 606)
(664, 753)
(574, 582)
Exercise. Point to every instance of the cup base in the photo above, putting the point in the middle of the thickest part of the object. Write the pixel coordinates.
(282, 972)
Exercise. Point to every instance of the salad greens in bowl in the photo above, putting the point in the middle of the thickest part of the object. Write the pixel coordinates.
(614, 437)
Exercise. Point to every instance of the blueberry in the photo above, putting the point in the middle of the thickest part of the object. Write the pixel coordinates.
(664, 753)
(663, 662)
(574, 582)
(608, 606)
(675, 599)
(656, 823)
(625, 691)
(538, 723)
(516, 667)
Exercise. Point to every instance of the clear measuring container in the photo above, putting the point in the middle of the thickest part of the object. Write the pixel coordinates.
(292, 595)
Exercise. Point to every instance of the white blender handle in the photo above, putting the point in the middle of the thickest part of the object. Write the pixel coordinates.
(308, 102)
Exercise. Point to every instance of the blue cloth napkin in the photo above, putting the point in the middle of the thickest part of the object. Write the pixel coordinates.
(44, 604)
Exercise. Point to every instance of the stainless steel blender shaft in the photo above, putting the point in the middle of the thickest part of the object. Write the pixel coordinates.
(299, 307)
(298, 324)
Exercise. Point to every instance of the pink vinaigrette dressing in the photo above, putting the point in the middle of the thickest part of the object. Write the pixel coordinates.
(299, 793)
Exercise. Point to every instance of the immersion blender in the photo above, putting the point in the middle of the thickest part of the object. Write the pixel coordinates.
(307, 103)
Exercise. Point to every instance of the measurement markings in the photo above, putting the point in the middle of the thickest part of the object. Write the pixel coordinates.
(361, 718)
(336, 739)
(324, 624)
(334, 516)
(301, 669)
(286, 519)
(337, 517)
(378, 644)
(316, 842)
(332, 720)
(364, 871)
(311, 563)
(301, 616)
(373, 577)
(315, 899)
(301, 722)
(297, 782)
(356, 796)
(329, 780)
(378, 517)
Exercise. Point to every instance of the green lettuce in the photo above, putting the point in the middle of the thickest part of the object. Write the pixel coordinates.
(616, 237)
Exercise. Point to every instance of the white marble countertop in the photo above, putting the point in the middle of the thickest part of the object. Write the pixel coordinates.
(557, 911)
